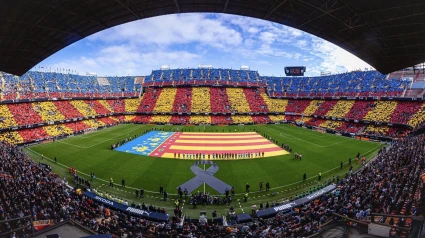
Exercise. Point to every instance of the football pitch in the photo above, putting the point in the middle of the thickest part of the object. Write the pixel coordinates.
(321, 153)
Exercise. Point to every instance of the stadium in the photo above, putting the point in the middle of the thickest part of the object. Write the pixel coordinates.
(209, 151)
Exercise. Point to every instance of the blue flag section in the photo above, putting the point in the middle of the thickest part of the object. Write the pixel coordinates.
(286, 207)
(154, 216)
(145, 144)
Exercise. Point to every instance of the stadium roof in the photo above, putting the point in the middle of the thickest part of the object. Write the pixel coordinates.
(387, 34)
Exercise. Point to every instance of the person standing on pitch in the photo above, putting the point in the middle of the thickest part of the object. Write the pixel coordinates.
(304, 176)
(161, 190)
(247, 188)
(111, 182)
(123, 182)
(267, 186)
(261, 186)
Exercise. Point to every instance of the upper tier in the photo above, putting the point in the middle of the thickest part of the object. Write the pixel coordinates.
(59, 85)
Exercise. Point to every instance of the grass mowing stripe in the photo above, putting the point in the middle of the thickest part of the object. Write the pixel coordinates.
(149, 173)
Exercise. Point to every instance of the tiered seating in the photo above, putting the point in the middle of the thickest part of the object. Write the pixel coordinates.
(107, 105)
(201, 100)
(376, 130)
(119, 106)
(149, 99)
(221, 120)
(332, 125)
(274, 105)
(325, 107)
(11, 137)
(164, 103)
(97, 107)
(219, 100)
(341, 108)
(108, 120)
(276, 118)
(418, 118)
(203, 77)
(237, 100)
(83, 108)
(48, 111)
(200, 119)
(242, 119)
(160, 119)
(182, 100)
(255, 100)
(381, 112)
(6, 118)
(404, 111)
(369, 83)
(67, 109)
(180, 119)
(314, 121)
(132, 105)
(126, 118)
(93, 123)
(349, 127)
(24, 114)
(312, 108)
(34, 134)
(359, 110)
(57, 130)
(140, 118)
(261, 119)
(77, 126)
(297, 106)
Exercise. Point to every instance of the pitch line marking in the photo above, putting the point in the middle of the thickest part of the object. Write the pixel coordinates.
(87, 147)
(177, 194)
(283, 134)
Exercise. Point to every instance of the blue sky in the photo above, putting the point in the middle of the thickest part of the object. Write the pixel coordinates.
(187, 40)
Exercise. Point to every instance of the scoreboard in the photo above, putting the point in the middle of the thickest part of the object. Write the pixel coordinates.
(295, 70)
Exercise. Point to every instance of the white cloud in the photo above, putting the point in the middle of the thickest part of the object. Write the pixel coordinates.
(126, 60)
(334, 58)
(173, 29)
(186, 40)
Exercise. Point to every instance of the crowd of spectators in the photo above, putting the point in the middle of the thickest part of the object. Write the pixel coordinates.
(390, 184)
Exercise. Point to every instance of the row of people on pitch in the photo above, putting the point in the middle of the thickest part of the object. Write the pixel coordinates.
(123, 141)
(220, 156)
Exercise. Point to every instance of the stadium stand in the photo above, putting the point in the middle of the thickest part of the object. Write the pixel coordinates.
(274, 105)
(255, 100)
(160, 119)
(182, 100)
(381, 112)
(48, 111)
(340, 109)
(201, 100)
(200, 119)
(6, 118)
(164, 103)
(246, 95)
(313, 107)
(242, 119)
(238, 100)
(315, 213)
(359, 110)
(219, 100)
(83, 108)
(67, 109)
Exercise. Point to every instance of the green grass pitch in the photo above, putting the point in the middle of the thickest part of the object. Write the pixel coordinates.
(91, 153)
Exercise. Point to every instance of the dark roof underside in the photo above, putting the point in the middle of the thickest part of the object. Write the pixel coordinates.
(387, 34)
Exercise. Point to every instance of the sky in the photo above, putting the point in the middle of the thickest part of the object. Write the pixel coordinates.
(187, 40)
